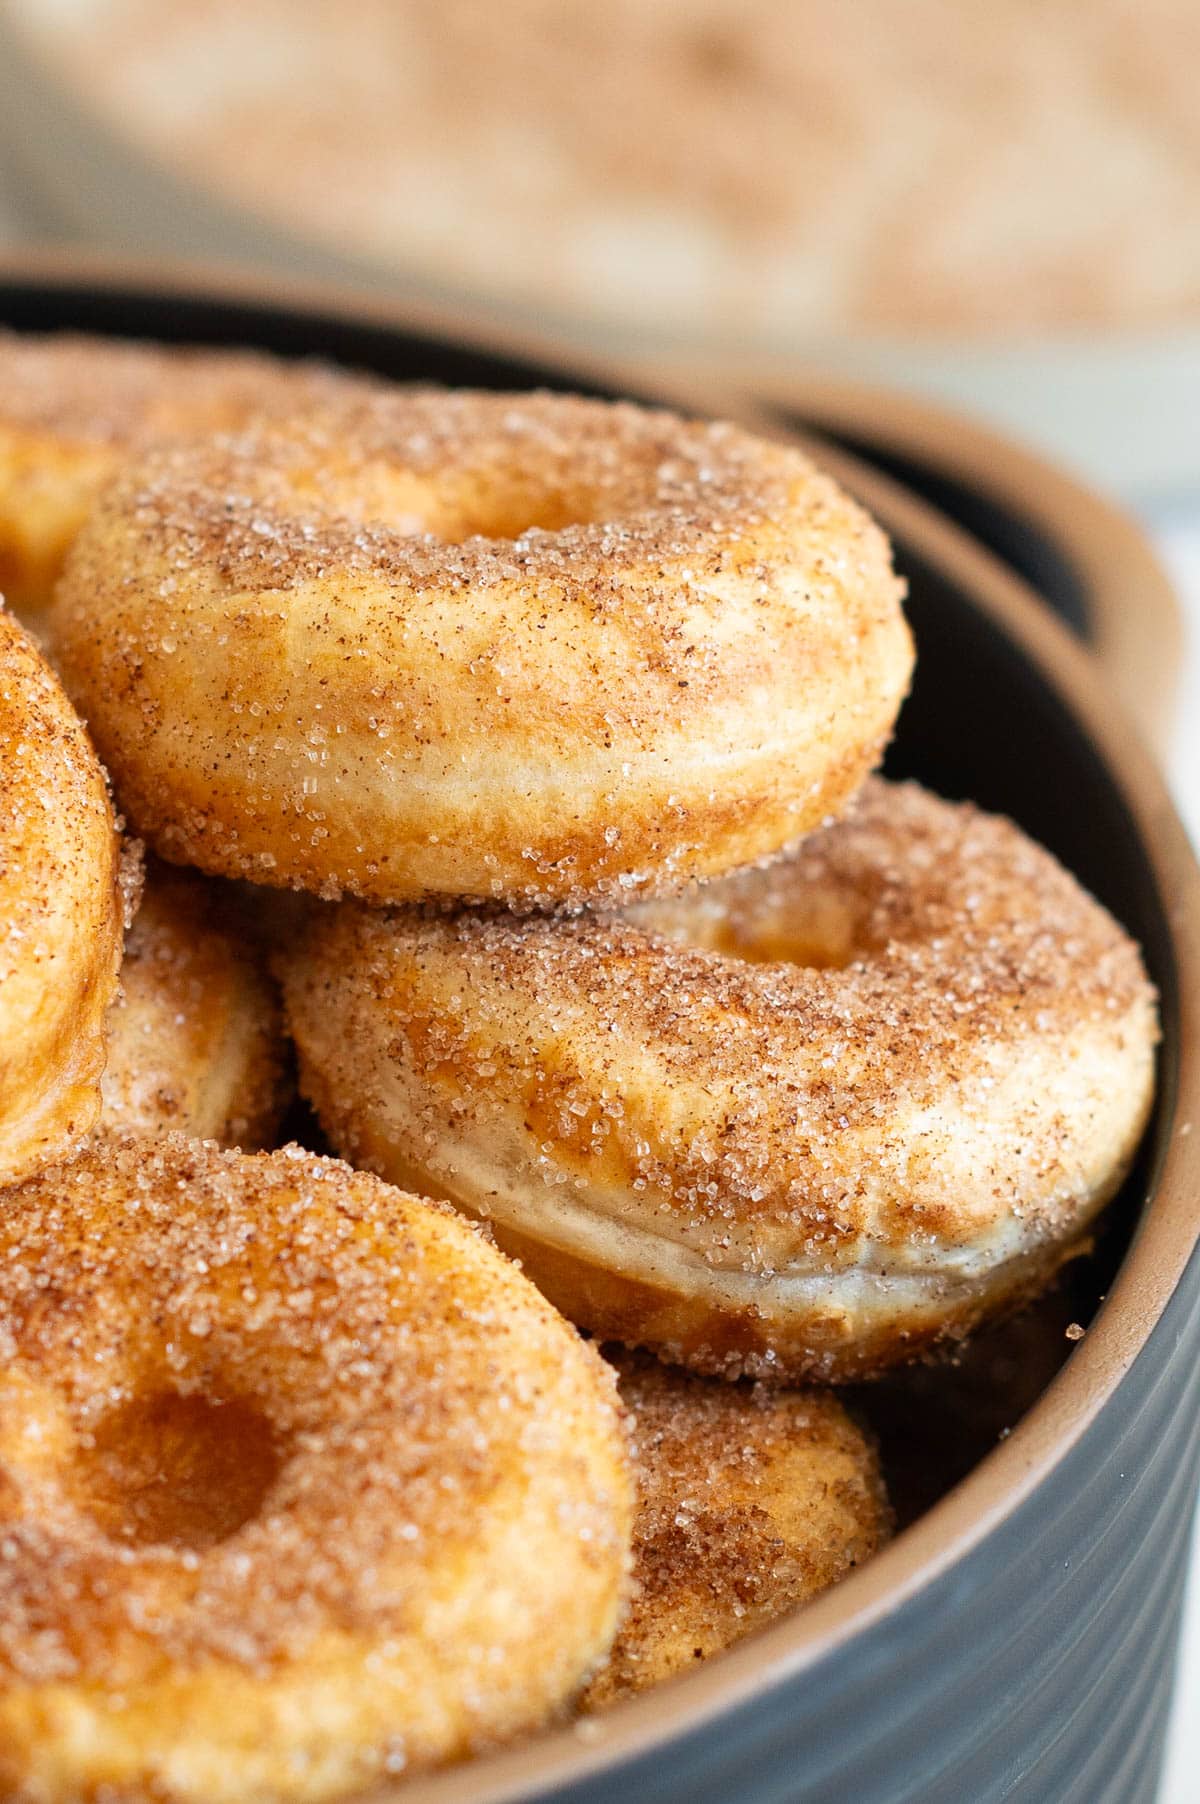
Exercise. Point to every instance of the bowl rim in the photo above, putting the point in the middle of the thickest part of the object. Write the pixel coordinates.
(1166, 1236)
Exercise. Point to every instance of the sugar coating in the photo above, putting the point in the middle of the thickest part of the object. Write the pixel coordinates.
(750, 1503)
(532, 647)
(62, 907)
(443, 1524)
(71, 409)
(499, 482)
(195, 1041)
(800, 1120)
(109, 391)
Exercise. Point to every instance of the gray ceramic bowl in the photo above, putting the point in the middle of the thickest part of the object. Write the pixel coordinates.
(1016, 1642)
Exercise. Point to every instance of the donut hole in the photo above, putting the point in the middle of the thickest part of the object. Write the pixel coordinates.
(179, 1470)
(817, 929)
(499, 505)
(507, 509)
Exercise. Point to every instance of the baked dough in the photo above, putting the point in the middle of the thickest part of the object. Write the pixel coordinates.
(195, 1041)
(770, 176)
(750, 1503)
(530, 647)
(62, 907)
(301, 1483)
(803, 1123)
(71, 409)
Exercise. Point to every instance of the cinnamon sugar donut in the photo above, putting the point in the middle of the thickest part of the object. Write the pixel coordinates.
(70, 409)
(61, 914)
(750, 1502)
(804, 1122)
(534, 647)
(194, 1038)
(301, 1483)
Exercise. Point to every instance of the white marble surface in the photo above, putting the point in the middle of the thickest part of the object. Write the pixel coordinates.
(1177, 533)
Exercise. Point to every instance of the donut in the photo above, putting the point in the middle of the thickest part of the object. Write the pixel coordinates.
(750, 1503)
(72, 406)
(532, 647)
(195, 1040)
(62, 909)
(805, 1122)
(302, 1484)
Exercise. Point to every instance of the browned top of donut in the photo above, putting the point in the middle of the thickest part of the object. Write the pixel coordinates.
(386, 1376)
(907, 899)
(106, 391)
(60, 912)
(495, 483)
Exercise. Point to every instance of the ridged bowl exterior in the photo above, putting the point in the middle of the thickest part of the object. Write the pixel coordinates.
(1018, 1642)
(1038, 1669)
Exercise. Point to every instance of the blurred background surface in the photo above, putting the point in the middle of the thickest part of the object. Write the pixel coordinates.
(993, 203)
(997, 205)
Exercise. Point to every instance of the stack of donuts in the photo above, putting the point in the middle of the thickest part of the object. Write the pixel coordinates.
(510, 758)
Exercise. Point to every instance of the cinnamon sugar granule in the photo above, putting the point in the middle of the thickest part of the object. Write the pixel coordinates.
(499, 485)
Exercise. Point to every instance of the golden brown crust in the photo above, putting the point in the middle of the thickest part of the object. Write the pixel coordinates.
(71, 408)
(61, 914)
(803, 1122)
(195, 1040)
(304, 1484)
(750, 1503)
(533, 647)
